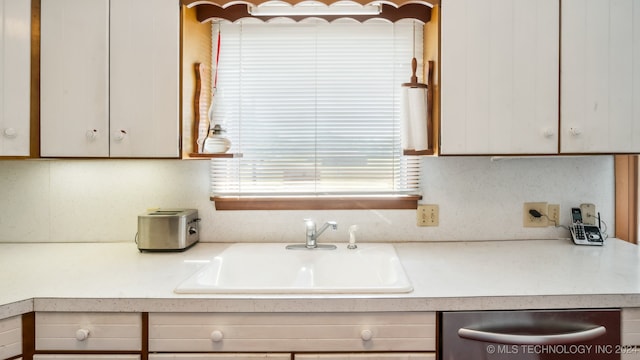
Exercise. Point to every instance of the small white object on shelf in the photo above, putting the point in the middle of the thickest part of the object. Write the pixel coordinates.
(216, 142)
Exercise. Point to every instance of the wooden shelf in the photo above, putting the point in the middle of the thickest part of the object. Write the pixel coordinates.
(213, 156)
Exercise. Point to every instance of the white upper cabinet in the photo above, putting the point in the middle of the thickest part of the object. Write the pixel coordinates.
(74, 78)
(600, 82)
(15, 77)
(110, 78)
(145, 56)
(499, 77)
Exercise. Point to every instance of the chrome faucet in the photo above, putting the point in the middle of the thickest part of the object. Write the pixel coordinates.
(312, 235)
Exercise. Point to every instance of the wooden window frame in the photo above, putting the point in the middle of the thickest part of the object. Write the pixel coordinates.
(406, 202)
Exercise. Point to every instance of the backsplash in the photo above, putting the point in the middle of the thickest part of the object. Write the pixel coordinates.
(480, 198)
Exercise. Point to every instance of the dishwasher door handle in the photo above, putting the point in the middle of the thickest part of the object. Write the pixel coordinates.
(515, 339)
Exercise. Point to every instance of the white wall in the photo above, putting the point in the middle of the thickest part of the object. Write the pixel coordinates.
(480, 199)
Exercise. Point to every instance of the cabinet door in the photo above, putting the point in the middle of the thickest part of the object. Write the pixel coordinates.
(15, 76)
(499, 88)
(85, 357)
(229, 356)
(10, 337)
(144, 78)
(74, 78)
(600, 81)
(290, 332)
(88, 331)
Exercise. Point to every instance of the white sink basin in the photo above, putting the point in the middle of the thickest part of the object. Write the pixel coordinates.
(270, 268)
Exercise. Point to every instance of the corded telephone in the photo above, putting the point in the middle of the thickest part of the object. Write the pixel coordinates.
(584, 234)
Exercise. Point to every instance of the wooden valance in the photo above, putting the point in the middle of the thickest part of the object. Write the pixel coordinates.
(207, 10)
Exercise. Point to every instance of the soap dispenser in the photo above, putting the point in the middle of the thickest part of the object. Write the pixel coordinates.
(352, 237)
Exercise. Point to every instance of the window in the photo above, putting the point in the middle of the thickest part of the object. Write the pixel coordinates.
(314, 107)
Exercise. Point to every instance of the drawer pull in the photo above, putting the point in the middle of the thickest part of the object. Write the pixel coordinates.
(82, 334)
(10, 133)
(366, 335)
(217, 336)
(119, 135)
(92, 135)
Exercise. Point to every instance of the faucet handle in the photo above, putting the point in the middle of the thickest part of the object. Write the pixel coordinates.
(310, 224)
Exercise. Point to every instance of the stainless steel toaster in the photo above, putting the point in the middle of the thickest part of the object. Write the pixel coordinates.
(168, 230)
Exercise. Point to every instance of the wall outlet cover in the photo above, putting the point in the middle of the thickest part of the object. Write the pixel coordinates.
(529, 220)
(427, 215)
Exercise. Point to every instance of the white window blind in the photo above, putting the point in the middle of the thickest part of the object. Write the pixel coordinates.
(314, 108)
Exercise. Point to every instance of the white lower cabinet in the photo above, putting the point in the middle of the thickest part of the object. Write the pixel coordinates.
(286, 356)
(86, 357)
(88, 332)
(375, 332)
(10, 337)
(630, 339)
(272, 356)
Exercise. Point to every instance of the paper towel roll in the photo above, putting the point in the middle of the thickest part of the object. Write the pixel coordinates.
(413, 115)
(405, 122)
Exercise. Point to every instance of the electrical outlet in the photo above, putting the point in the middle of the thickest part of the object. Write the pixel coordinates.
(588, 214)
(529, 220)
(553, 214)
(428, 215)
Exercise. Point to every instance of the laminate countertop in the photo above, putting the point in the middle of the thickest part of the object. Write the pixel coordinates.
(518, 274)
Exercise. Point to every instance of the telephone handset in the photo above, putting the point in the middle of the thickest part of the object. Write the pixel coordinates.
(584, 234)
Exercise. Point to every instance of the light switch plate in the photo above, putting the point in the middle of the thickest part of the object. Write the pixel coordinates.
(553, 215)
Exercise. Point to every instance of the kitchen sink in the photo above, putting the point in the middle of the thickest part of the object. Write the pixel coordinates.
(270, 268)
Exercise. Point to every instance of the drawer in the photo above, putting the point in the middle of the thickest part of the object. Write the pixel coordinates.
(88, 331)
(86, 357)
(237, 356)
(630, 319)
(289, 332)
(10, 337)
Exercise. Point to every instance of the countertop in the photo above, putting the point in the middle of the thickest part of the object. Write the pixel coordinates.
(531, 274)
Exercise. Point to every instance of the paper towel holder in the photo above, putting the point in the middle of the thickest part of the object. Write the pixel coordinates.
(414, 78)
(429, 89)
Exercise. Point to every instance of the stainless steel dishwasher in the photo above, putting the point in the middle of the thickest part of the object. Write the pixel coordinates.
(530, 335)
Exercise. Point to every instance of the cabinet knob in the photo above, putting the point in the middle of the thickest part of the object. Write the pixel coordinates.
(575, 131)
(366, 335)
(10, 133)
(548, 133)
(82, 334)
(92, 134)
(217, 336)
(119, 135)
